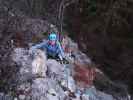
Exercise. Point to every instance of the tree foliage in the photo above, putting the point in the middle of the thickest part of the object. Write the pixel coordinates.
(103, 29)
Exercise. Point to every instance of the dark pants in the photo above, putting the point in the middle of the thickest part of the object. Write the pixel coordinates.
(52, 57)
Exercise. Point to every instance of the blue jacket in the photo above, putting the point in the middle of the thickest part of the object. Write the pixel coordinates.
(50, 49)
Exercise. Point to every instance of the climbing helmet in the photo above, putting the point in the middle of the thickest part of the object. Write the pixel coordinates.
(53, 36)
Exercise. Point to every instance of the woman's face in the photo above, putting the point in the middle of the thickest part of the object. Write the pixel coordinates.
(52, 42)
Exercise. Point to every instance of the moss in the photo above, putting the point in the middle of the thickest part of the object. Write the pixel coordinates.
(45, 33)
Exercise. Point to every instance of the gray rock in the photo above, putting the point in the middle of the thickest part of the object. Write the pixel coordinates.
(52, 97)
(57, 85)
(5, 96)
(22, 97)
(71, 84)
(55, 69)
(47, 88)
(39, 66)
(93, 94)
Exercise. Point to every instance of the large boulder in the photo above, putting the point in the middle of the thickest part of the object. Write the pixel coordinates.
(62, 81)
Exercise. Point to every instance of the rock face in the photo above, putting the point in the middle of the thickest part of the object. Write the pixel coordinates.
(84, 75)
(98, 34)
(5, 97)
(39, 63)
(17, 29)
(59, 82)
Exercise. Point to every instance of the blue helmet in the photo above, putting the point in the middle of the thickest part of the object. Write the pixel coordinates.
(52, 36)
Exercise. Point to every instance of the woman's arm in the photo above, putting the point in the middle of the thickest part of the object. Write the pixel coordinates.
(38, 46)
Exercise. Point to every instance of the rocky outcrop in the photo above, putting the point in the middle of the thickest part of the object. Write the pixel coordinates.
(62, 81)
(70, 80)
(104, 34)
(17, 30)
